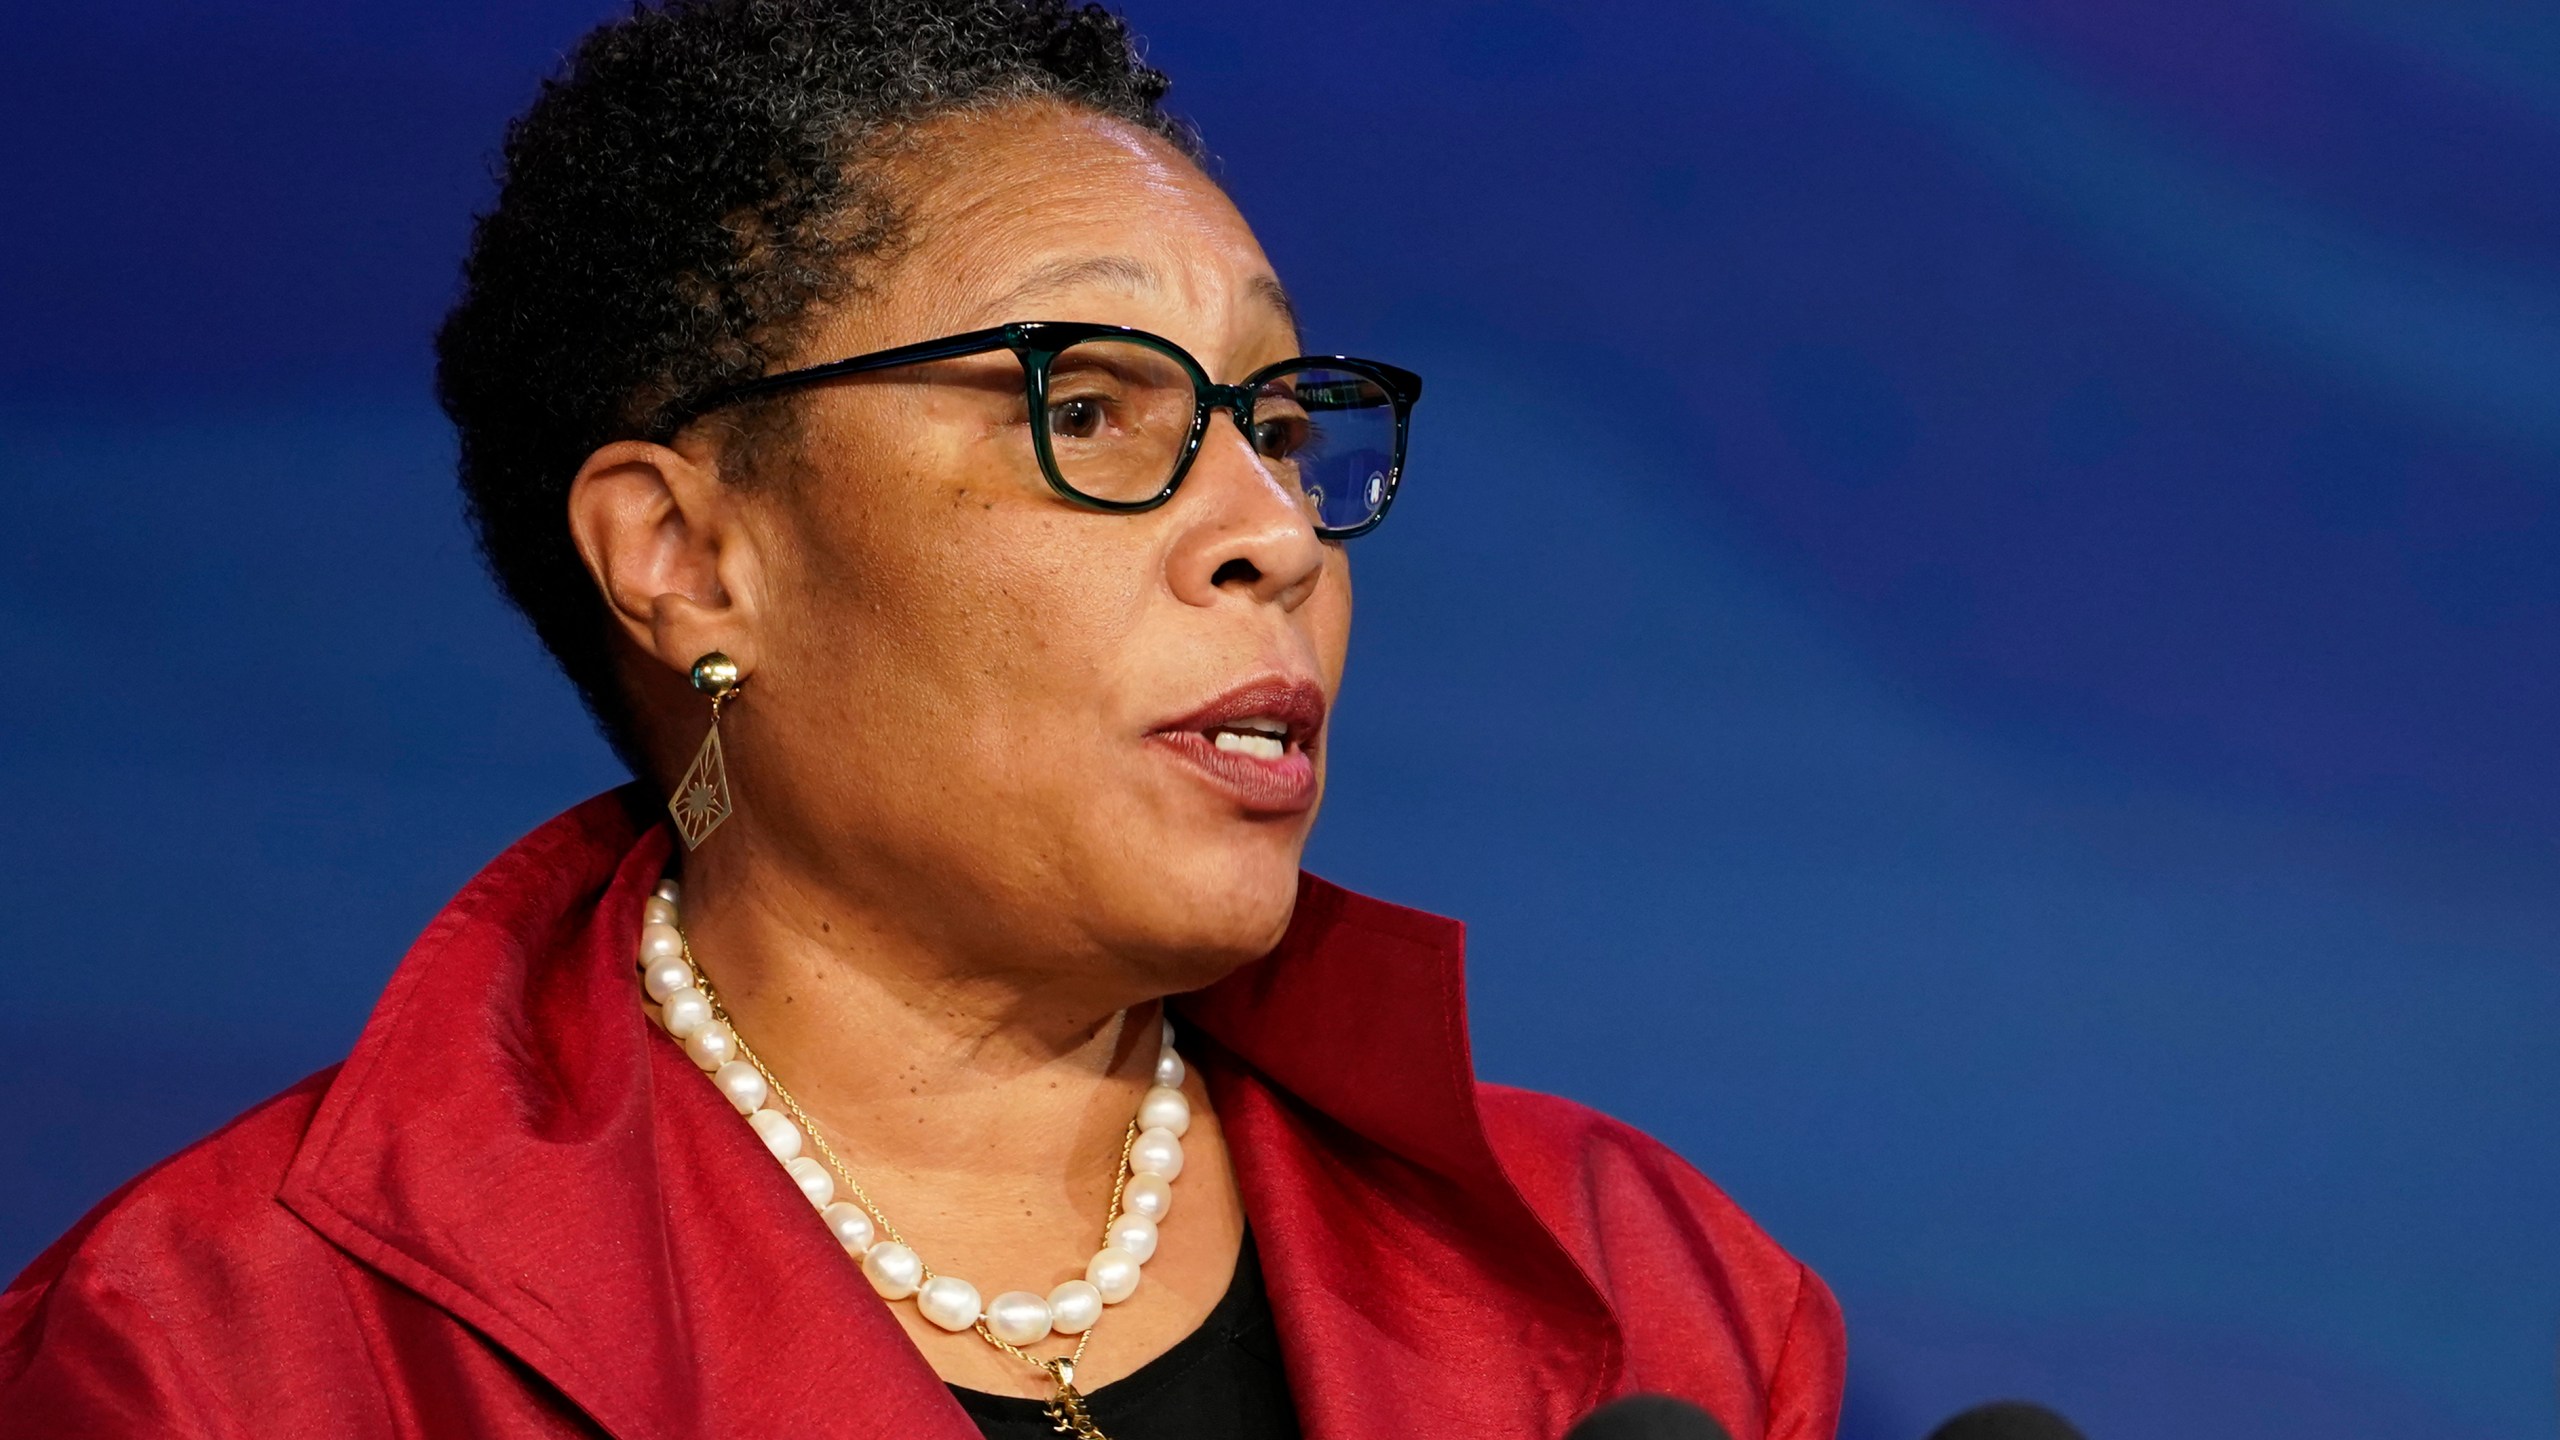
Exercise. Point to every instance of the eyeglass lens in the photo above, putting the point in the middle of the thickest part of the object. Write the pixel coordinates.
(1119, 413)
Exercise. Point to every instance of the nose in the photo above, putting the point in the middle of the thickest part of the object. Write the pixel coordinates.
(1246, 531)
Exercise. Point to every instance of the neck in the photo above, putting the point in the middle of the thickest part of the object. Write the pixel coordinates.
(916, 1059)
(981, 1105)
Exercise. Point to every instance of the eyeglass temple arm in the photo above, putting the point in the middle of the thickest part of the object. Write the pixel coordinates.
(950, 347)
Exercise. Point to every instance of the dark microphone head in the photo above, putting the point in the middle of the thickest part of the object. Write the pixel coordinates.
(2007, 1420)
(1648, 1417)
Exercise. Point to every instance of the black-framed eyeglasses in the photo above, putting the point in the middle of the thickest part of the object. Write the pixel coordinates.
(1117, 415)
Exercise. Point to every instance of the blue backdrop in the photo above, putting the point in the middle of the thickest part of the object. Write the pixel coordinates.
(1974, 625)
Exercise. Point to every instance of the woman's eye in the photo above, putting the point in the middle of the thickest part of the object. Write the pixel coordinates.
(1278, 439)
(1076, 419)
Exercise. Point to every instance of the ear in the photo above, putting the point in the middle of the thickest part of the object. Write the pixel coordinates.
(664, 540)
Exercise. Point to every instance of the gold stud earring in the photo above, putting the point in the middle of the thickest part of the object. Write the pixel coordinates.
(702, 799)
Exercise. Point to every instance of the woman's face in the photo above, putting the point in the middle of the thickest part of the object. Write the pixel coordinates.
(990, 715)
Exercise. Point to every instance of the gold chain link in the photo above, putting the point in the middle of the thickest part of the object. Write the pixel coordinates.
(1066, 1408)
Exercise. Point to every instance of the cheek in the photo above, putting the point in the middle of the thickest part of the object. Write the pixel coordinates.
(930, 592)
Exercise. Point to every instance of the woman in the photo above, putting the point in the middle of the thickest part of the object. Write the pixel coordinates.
(908, 451)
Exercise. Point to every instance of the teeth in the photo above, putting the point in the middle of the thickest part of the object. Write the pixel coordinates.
(1263, 723)
(1260, 747)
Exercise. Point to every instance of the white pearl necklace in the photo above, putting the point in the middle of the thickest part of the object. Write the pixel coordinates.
(1150, 1159)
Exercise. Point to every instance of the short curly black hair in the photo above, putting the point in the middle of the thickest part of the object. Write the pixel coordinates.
(697, 175)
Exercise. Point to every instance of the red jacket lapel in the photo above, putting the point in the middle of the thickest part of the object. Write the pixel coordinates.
(1416, 1292)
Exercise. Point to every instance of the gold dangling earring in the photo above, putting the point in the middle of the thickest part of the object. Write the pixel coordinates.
(702, 799)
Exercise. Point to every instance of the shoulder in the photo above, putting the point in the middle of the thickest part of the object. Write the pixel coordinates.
(1681, 1263)
(193, 1249)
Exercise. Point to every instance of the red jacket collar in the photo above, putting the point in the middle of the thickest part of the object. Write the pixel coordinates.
(509, 1141)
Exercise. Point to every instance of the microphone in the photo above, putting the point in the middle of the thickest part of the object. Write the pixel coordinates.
(2007, 1420)
(1649, 1417)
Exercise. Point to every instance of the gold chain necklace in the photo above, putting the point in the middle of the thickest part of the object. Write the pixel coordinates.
(1066, 1406)
(1150, 1156)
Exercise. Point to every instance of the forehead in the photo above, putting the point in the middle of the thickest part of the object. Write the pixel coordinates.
(1028, 205)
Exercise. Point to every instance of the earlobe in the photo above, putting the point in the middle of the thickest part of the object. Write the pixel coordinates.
(655, 529)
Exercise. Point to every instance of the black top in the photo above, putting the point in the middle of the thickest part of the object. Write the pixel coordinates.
(1220, 1382)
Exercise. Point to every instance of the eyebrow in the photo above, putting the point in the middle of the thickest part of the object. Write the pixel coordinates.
(1268, 289)
(1130, 274)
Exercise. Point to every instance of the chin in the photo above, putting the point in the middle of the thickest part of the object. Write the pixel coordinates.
(1198, 921)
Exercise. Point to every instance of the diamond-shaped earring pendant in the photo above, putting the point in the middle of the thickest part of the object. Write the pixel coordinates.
(701, 800)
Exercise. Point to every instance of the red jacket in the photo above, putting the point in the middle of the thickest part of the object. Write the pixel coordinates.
(516, 1211)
